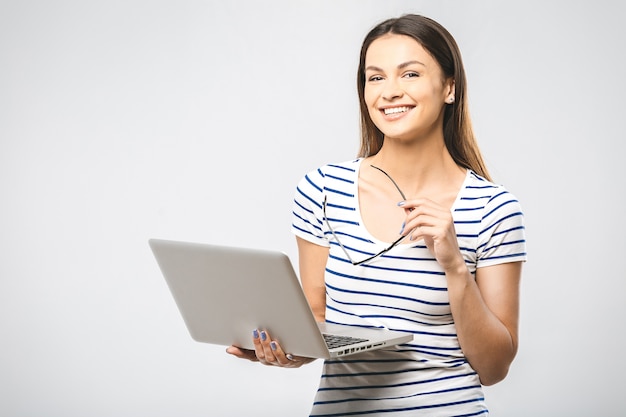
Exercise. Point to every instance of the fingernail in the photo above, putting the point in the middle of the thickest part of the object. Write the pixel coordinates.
(273, 345)
(255, 333)
(402, 230)
(263, 336)
(401, 203)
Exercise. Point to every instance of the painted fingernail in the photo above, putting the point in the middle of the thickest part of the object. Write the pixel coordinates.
(263, 336)
(273, 345)
(401, 203)
(402, 230)
(255, 333)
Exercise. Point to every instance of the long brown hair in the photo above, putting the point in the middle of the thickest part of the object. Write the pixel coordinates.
(457, 126)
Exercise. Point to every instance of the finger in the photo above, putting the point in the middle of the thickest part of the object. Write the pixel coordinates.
(267, 353)
(419, 227)
(282, 358)
(422, 233)
(428, 211)
(410, 205)
(262, 349)
(258, 348)
(427, 221)
(242, 353)
(297, 361)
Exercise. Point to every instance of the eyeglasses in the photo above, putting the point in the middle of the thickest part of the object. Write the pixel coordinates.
(387, 249)
(345, 251)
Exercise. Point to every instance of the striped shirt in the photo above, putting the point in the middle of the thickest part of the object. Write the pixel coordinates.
(405, 289)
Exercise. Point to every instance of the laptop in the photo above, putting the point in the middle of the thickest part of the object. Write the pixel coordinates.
(223, 293)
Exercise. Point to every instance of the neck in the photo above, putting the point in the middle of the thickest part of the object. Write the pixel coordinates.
(419, 170)
(410, 161)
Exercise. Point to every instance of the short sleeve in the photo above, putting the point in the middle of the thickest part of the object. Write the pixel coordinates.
(502, 237)
(307, 213)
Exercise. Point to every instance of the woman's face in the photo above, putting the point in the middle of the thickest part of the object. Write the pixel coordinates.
(405, 90)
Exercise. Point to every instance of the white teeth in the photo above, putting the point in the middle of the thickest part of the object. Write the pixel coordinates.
(395, 110)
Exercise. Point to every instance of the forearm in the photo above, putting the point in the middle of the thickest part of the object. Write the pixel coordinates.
(316, 297)
(488, 344)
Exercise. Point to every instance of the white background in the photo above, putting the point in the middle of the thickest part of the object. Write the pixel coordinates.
(126, 120)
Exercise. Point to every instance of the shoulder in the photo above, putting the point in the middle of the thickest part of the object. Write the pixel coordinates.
(500, 220)
(337, 168)
(311, 193)
(487, 208)
(341, 171)
(493, 196)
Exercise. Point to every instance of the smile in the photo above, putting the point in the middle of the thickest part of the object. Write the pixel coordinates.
(396, 110)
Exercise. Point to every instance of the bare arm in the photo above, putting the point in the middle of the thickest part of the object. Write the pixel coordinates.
(312, 263)
(486, 315)
(485, 309)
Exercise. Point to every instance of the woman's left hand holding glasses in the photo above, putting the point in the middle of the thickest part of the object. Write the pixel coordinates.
(434, 224)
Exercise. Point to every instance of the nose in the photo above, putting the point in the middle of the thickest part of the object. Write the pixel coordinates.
(392, 90)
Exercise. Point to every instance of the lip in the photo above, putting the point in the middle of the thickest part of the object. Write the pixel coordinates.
(396, 111)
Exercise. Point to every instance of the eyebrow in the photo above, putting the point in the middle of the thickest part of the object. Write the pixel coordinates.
(401, 66)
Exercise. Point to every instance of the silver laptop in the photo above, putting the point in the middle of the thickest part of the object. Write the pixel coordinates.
(224, 293)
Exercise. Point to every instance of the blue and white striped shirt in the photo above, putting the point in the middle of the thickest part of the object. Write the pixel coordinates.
(404, 289)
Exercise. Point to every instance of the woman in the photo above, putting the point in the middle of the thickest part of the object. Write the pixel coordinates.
(411, 236)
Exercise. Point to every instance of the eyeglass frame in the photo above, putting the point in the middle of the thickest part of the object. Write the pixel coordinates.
(345, 251)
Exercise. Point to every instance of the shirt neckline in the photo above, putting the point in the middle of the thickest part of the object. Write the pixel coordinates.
(404, 243)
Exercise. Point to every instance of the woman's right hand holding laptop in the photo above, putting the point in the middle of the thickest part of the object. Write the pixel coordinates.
(268, 352)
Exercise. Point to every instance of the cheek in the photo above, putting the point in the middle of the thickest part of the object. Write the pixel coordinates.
(370, 95)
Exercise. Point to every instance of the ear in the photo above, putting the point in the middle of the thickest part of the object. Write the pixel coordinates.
(449, 91)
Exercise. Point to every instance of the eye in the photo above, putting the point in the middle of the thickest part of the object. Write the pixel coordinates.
(411, 74)
(374, 78)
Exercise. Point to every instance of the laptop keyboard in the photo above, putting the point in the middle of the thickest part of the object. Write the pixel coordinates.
(334, 341)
